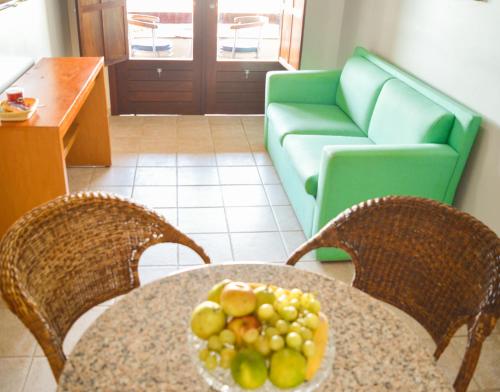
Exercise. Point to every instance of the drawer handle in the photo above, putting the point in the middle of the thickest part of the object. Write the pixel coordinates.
(159, 71)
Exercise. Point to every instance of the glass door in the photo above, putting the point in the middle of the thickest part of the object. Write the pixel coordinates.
(244, 44)
(163, 74)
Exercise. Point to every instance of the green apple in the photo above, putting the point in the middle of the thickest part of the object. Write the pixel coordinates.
(216, 290)
(287, 368)
(207, 319)
(249, 369)
(238, 299)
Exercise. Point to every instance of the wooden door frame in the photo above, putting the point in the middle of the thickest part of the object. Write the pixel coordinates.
(118, 74)
(213, 66)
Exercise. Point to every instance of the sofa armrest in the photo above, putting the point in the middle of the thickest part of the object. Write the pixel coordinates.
(351, 174)
(319, 87)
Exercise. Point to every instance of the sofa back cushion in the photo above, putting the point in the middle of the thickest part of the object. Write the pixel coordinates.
(359, 86)
(404, 116)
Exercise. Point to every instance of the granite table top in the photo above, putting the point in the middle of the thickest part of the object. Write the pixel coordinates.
(141, 342)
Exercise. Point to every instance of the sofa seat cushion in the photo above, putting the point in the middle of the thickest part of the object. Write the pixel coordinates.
(310, 119)
(359, 87)
(404, 116)
(305, 152)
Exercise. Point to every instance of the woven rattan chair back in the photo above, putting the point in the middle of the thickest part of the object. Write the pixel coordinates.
(439, 265)
(66, 256)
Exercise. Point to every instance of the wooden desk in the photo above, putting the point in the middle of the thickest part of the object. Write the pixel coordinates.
(71, 126)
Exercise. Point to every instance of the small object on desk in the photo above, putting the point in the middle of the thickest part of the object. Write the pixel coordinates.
(14, 93)
(20, 110)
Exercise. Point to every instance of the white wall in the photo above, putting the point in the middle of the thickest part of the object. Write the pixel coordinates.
(322, 28)
(35, 28)
(454, 45)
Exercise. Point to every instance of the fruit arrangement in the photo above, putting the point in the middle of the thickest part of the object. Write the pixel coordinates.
(261, 332)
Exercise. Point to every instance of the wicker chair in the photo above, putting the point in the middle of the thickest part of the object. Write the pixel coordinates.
(438, 264)
(66, 256)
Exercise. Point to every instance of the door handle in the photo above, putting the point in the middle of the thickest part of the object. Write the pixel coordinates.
(159, 71)
(247, 73)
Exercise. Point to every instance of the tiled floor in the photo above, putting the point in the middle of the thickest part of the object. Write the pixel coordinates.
(211, 177)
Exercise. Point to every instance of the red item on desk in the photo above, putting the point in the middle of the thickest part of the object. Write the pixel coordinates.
(14, 94)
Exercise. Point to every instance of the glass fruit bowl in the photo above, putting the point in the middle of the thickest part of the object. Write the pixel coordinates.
(221, 380)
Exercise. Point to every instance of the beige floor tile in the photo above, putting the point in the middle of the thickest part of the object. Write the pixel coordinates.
(170, 214)
(164, 254)
(40, 377)
(286, 219)
(125, 144)
(79, 178)
(235, 159)
(15, 339)
(157, 147)
(113, 176)
(244, 195)
(343, 271)
(80, 326)
(3, 304)
(157, 160)
(200, 159)
(250, 219)
(239, 175)
(257, 146)
(197, 176)
(124, 191)
(268, 175)
(202, 220)
(162, 133)
(124, 132)
(13, 372)
(124, 159)
(155, 176)
(292, 240)
(199, 196)
(156, 196)
(217, 246)
(262, 159)
(276, 195)
(150, 274)
(258, 247)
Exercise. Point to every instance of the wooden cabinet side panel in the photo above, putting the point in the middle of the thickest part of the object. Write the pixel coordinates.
(92, 145)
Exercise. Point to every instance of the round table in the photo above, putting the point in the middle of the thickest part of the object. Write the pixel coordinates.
(140, 343)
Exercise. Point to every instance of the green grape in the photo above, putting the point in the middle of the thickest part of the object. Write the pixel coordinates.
(226, 356)
(276, 342)
(273, 320)
(265, 312)
(306, 333)
(203, 354)
(295, 327)
(289, 313)
(295, 302)
(296, 293)
(301, 321)
(211, 361)
(262, 346)
(271, 331)
(312, 321)
(251, 336)
(214, 343)
(294, 340)
(305, 300)
(314, 306)
(282, 326)
(309, 348)
(227, 336)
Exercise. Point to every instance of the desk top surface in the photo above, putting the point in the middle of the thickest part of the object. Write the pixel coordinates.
(59, 84)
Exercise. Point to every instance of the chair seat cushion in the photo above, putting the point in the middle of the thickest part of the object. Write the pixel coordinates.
(305, 151)
(310, 119)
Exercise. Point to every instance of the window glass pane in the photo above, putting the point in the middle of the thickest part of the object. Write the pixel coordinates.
(248, 30)
(160, 29)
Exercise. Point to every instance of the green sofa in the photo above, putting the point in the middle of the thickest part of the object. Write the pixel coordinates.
(341, 137)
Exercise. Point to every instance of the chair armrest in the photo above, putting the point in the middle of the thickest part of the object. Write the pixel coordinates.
(319, 87)
(351, 174)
